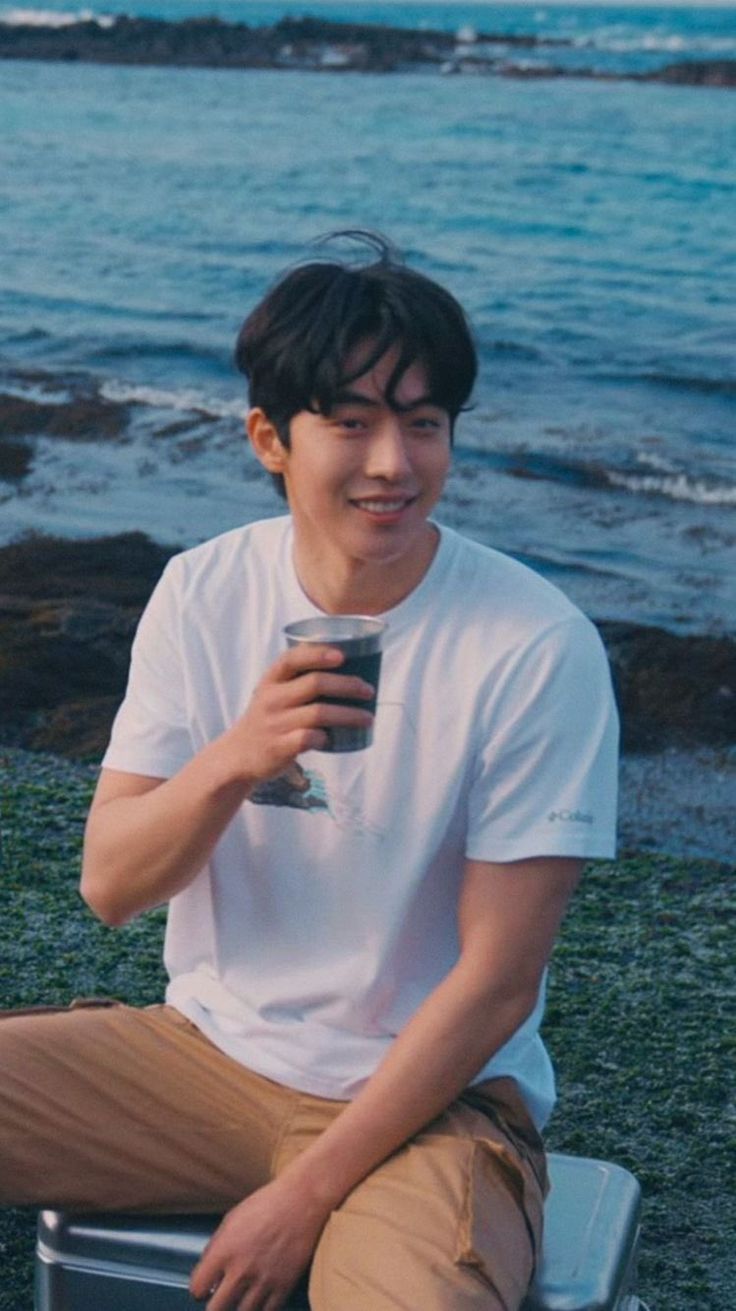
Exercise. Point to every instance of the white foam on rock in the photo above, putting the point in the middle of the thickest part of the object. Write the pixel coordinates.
(53, 18)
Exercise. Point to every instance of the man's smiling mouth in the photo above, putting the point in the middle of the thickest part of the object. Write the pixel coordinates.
(376, 505)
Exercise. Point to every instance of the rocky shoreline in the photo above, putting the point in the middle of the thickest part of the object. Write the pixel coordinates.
(317, 45)
(69, 610)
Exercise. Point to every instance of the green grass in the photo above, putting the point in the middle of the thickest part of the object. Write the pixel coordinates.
(639, 1021)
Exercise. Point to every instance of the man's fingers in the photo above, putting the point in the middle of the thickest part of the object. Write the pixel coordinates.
(314, 685)
(308, 739)
(208, 1272)
(315, 737)
(229, 1295)
(318, 717)
(255, 1298)
(230, 1292)
(203, 1280)
(307, 655)
(242, 1294)
(295, 776)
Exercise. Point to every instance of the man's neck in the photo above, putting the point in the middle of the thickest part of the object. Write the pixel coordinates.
(339, 586)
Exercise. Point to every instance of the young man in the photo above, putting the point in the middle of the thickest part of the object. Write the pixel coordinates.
(349, 1059)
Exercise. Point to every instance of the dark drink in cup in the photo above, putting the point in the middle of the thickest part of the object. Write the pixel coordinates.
(359, 637)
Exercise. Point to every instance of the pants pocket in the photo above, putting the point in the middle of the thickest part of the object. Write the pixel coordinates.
(500, 1230)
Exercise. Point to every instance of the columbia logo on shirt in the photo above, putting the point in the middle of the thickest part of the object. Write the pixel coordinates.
(570, 817)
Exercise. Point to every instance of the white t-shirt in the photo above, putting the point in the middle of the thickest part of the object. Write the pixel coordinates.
(327, 912)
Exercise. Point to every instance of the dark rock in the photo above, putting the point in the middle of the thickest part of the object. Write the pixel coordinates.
(121, 570)
(69, 610)
(15, 459)
(68, 613)
(86, 417)
(691, 72)
(208, 42)
(672, 690)
(308, 43)
(535, 72)
(77, 729)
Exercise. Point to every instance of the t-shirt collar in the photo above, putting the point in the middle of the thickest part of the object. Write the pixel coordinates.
(399, 615)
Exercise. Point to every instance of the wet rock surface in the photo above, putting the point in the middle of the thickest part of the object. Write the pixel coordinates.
(69, 610)
(672, 690)
(698, 72)
(68, 613)
(85, 416)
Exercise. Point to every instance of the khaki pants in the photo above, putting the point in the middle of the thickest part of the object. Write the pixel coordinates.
(104, 1107)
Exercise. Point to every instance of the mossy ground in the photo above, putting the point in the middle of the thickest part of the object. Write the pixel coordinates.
(639, 1021)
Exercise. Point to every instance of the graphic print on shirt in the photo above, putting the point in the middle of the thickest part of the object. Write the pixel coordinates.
(303, 789)
(295, 788)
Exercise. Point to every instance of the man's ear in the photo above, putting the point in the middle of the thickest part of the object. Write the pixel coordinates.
(265, 441)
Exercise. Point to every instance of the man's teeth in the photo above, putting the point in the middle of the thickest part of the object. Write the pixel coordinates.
(382, 507)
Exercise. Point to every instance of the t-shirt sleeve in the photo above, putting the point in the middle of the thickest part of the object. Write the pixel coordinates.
(151, 734)
(546, 762)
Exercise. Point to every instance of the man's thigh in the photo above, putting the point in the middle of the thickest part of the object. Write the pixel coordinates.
(451, 1222)
(109, 1107)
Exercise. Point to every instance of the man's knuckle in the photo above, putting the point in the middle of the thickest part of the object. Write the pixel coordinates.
(304, 740)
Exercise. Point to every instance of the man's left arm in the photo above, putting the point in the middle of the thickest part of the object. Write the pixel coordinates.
(508, 919)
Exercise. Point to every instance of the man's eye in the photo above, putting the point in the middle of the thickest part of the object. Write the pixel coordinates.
(426, 423)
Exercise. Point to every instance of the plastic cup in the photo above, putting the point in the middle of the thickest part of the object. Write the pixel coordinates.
(360, 638)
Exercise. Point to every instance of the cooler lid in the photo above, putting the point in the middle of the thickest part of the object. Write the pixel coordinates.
(167, 1244)
(591, 1222)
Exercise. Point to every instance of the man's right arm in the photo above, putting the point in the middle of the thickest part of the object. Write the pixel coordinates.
(147, 838)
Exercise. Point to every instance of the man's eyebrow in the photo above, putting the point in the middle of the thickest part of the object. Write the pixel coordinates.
(357, 398)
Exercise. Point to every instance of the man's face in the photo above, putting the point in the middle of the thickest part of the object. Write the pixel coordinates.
(363, 478)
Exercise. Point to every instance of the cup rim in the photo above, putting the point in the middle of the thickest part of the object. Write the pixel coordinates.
(373, 628)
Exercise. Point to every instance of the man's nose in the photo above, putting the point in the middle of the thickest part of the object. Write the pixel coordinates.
(388, 456)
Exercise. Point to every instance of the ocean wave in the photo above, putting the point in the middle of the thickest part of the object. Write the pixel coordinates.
(185, 399)
(44, 388)
(655, 463)
(704, 383)
(701, 383)
(35, 384)
(676, 487)
(54, 18)
(652, 475)
(513, 349)
(669, 43)
(82, 415)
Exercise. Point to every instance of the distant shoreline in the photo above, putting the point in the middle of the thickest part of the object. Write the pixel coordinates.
(319, 45)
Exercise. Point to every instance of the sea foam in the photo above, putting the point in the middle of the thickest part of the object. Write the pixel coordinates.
(186, 399)
(53, 18)
(677, 487)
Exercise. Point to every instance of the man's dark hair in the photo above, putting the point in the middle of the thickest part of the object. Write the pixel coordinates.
(294, 346)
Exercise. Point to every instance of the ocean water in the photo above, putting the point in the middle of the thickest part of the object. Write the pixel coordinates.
(587, 226)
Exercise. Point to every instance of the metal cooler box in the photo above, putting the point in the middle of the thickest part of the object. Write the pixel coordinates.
(126, 1262)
